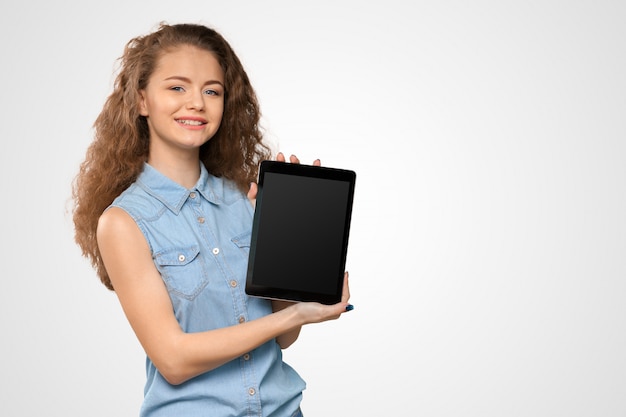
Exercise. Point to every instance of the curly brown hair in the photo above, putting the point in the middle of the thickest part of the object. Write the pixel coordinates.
(116, 156)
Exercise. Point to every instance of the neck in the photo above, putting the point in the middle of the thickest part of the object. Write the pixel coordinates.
(183, 171)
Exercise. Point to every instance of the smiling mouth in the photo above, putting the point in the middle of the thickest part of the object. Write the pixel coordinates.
(190, 122)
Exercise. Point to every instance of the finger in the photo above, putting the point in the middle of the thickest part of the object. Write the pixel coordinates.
(280, 157)
(252, 192)
(345, 294)
(317, 163)
(343, 306)
(294, 159)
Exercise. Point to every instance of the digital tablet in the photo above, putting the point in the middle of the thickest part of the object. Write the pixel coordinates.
(300, 232)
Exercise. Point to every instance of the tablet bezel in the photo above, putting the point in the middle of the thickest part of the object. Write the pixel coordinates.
(253, 288)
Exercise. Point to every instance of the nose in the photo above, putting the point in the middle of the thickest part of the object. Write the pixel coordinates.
(196, 101)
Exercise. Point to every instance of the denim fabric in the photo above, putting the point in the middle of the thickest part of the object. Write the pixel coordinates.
(200, 239)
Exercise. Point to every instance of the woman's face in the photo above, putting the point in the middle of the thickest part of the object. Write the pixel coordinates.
(184, 100)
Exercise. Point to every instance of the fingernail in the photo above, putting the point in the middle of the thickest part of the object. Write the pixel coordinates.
(349, 307)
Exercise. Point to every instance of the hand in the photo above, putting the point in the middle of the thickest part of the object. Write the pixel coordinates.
(317, 313)
(294, 159)
(252, 192)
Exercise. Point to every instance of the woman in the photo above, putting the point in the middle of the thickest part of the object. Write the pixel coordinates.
(163, 209)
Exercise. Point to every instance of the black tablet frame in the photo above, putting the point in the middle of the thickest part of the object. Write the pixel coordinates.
(257, 278)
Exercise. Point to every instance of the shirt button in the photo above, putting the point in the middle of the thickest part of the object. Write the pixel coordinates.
(233, 283)
(181, 257)
(216, 251)
(246, 357)
(242, 319)
(192, 195)
(200, 219)
(251, 391)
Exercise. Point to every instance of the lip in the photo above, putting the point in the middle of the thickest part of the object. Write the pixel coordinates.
(203, 122)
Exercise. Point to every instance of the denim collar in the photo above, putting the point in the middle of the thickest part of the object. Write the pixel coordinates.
(174, 195)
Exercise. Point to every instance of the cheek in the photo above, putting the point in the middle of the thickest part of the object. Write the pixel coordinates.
(218, 111)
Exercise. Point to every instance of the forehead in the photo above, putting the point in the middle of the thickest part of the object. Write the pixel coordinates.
(188, 61)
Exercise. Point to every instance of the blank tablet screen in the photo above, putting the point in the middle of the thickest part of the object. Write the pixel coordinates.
(300, 232)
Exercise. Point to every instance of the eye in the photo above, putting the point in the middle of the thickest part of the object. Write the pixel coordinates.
(211, 93)
(177, 88)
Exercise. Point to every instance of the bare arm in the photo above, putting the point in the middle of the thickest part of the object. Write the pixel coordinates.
(177, 355)
(286, 339)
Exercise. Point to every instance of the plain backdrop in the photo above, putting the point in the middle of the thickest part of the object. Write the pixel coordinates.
(488, 246)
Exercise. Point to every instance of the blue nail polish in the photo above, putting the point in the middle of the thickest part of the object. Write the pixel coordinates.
(349, 307)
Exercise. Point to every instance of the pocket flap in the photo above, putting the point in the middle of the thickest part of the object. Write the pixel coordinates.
(242, 240)
(177, 256)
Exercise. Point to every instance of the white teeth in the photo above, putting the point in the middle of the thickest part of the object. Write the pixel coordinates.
(190, 122)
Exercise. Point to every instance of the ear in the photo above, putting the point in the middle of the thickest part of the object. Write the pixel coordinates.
(141, 104)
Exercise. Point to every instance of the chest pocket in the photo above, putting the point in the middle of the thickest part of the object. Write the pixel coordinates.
(183, 270)
(242, 241)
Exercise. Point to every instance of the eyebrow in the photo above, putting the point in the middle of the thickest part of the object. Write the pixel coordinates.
(187, 80)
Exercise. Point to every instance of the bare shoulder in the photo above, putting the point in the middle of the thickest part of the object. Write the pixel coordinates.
(115, 221)
(117, 227)
(123, 247)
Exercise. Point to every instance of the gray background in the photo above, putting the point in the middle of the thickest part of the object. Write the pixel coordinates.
(488, 239)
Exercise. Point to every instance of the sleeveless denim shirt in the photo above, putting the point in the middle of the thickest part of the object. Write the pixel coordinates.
(200, 239)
